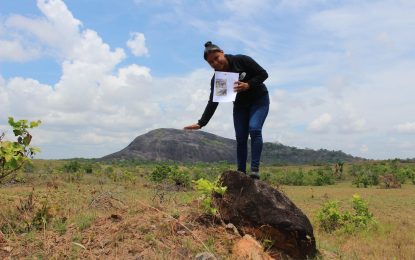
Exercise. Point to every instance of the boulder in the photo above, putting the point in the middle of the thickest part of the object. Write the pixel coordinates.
(258, 209)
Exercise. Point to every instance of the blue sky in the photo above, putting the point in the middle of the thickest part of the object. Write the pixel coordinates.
(99, 73)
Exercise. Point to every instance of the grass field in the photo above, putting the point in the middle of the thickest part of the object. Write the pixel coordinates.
(97, 215)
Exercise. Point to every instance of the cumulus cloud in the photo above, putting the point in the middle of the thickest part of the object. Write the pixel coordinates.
(321, 123)
(407, 128)
(95, 101)
(13, 50)
(346, 72)
(137, 44)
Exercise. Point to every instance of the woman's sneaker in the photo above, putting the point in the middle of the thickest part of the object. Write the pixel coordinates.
(254, 175)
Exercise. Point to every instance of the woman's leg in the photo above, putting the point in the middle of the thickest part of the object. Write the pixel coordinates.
(257, 115)
(241, 123)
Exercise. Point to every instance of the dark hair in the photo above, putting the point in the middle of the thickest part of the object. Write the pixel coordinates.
(210, 48)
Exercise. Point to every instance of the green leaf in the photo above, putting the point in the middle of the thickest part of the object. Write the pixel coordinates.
(11, 122)
(8, 157)
(17, 132)
(13, 163)
(34, 150)
(35, 123)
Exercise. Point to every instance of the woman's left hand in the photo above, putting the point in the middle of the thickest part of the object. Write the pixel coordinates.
(240, 86)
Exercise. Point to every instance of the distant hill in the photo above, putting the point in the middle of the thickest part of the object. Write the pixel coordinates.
(166, 144)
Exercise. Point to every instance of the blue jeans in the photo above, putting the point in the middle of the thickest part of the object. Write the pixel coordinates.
(248, 120)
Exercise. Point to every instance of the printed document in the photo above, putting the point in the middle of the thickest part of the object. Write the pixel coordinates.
(223, 86)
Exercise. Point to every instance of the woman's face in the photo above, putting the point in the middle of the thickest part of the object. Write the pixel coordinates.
(217, 60)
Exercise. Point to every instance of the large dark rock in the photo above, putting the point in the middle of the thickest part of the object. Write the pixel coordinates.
(178, 145)
(257, 209)
(166, 144)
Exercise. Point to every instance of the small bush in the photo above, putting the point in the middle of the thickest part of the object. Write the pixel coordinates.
(366, 178)
(314, 177)
(403, 174)
(330, 218)
(72, 166)
(128, 177)
(172, 174)
(322, 177)
(160, 173)
(109, 170)
(180, 178)
(206, 189)
(88, 168)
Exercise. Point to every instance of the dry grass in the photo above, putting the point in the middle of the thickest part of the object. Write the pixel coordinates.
(393, 209)
(99, 219)
(112, 221)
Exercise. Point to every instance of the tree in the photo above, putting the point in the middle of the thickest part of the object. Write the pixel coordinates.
(14, 154)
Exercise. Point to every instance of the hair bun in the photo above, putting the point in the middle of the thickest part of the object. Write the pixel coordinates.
(208, 43)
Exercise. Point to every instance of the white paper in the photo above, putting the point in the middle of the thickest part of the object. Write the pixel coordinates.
(223, 86)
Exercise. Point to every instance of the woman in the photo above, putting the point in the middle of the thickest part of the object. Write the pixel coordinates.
(250, 106)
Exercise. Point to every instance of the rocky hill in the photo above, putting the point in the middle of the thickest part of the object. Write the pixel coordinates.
(197, 146)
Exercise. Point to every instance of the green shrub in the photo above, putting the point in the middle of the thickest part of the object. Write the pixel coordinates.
(109, 170)
(128, 177)
(160, 173)
(72, 166)
(322, 176)
(13, 155)
(313, 177)
(366, 178)
(330, 218)
(88, 168)
(267, 177)
(361, 217)
(206, 189)
(180, 178)
(172, 174)
(404, 174)
(295, 178)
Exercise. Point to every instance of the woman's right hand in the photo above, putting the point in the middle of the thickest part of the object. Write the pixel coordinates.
(192, 127)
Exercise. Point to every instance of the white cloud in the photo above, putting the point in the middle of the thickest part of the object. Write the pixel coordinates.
(346, 70)
(96, 102)
(364, 148)
(91, 94)
(47, 30)
(137, 44)
(321, 123)
(408, 128)
(352, 125)
(13, 50)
